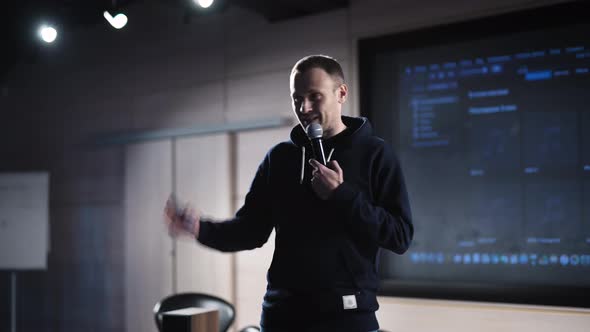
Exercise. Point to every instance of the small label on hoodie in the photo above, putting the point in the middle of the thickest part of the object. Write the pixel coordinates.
(349, 302)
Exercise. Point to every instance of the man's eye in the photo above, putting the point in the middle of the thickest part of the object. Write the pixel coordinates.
(316, 96)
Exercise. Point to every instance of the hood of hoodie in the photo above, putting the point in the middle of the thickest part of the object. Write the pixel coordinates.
(355, 128)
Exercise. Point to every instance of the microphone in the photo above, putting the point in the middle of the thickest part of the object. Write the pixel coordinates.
(315, 132)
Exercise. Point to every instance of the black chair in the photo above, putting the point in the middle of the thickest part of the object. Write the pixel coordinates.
(184, 300)
(250, 328)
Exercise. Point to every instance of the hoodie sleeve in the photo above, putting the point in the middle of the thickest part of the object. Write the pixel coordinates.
(251, 226)
(386, 218)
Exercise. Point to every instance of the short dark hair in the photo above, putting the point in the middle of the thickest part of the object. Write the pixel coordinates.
(327, 63)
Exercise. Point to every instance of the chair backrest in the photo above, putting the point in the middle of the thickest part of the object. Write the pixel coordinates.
(185, 300)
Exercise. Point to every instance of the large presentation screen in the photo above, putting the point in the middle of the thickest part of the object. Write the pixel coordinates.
(491, 121)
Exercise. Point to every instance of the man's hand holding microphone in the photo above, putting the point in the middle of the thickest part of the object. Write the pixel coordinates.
(327, 175)
(325, 179)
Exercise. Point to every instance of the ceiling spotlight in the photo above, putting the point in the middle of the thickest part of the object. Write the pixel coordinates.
(204, 3)
(117, 22)
(47, 33)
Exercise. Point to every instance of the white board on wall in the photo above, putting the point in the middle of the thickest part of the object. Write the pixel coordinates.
(24, 220)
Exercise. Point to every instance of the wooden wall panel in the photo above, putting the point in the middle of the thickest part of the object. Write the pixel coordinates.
(148, 259)
(203, 178)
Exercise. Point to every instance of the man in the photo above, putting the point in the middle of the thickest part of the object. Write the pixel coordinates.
(330, 221)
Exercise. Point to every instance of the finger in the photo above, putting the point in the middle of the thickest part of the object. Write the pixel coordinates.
(335, 166)
(316, 175)
(317, 165)
(314, 163)
(169, 212)
(172, 211)
(170, 202)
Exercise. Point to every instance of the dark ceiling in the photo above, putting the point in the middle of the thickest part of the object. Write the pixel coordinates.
(19, 18)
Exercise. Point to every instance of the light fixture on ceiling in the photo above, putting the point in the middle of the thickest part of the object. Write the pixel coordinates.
(47, 33)
(118, 21)
(204, 3)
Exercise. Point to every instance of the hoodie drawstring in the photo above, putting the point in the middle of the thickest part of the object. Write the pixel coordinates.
(302, 164)
(330, 155)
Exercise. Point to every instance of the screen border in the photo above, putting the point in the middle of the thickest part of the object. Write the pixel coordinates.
(373, 106)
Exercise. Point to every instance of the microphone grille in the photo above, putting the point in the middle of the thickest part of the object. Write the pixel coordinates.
(314, 130)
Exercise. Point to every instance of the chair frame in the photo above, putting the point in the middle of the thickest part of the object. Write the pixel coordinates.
(208, 297)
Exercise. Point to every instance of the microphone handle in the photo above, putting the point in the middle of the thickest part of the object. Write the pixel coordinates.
(318, 150)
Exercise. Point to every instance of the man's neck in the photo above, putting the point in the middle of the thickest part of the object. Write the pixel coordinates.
(334, 131)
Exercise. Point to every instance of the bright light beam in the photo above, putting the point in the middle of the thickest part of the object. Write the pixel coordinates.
(47, 33)
(204, 3)
(117, 22)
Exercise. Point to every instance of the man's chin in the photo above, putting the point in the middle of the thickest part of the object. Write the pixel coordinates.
(304, 123)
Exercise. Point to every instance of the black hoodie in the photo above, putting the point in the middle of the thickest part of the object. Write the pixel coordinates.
(324, 266)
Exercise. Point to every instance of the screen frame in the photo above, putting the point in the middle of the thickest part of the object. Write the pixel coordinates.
(372, 106)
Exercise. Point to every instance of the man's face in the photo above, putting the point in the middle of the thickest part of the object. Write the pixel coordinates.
(317, 97)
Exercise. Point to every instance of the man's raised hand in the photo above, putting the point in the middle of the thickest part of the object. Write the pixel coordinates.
(181, 220)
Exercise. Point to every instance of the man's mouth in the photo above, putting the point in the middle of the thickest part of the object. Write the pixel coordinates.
(309, 120)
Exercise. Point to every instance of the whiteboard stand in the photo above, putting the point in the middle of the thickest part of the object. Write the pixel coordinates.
(13, 302)
(24, 228)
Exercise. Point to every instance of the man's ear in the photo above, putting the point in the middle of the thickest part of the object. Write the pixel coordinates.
(342, 93)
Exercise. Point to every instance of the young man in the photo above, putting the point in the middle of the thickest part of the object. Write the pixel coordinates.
(330, 221)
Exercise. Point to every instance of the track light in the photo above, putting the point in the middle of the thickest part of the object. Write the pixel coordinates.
(117, 22)
(47, 33)
(204, 3)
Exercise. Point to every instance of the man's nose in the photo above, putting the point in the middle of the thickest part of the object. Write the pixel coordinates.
(305, 106)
